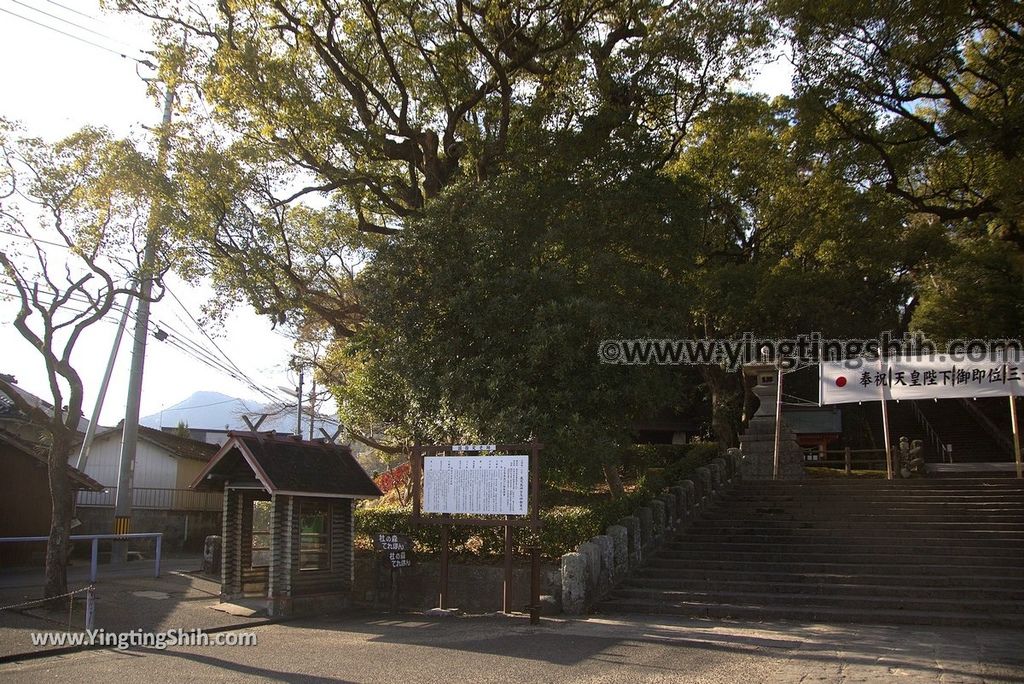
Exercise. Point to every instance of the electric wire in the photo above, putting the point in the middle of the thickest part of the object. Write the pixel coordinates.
(73, 10)
(69, 22)
(179, 341)
(144, 62)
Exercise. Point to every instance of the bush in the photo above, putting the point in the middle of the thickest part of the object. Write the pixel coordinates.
(564, 527)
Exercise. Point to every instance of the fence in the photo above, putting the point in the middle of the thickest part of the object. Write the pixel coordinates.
(850, 459)
(155, 498)
(157, 537)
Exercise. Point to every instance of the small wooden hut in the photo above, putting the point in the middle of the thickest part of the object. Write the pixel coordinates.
(288, 519)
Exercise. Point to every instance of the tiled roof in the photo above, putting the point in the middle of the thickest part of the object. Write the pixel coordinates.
(8, 408)
(288, 464)
(181, 447)
(79, 479)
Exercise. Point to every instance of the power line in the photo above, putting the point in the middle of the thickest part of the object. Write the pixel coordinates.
(144, 62)
(179, 340)
(73, 10)
(264, 391)
(68, 21)
(189, 408)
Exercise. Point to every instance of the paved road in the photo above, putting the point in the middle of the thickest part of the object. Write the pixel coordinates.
(494, 649)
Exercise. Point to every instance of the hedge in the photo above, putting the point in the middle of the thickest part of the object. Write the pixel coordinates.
(564, 527)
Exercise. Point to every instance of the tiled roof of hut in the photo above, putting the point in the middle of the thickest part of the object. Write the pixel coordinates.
(284, 464)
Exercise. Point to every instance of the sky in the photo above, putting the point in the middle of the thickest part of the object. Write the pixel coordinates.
(54, 84)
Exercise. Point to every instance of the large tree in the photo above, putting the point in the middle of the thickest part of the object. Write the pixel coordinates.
(788, 244)
(371, 108)
(931, 95)
(486, 316)
(73, 217)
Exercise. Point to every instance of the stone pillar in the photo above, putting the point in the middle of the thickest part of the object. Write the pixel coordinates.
(574, 584)
(758, 442)
(658, 520)
(592, 555)
(635, 543)
(646, 516)
(606, 551)
(620, 543)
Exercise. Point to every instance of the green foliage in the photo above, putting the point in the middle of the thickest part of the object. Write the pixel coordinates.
(484, 318)
(375, 108)
(564, 527)
(977, 293)
(925, 96)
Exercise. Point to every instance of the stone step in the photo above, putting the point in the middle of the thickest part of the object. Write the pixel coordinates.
(810, 613)
(841, 546)
(844, 482)
(971, 538)
(909, 588)
(949, 604)
(929, 551)
(906, 567)
(865, 527)
(854, 557)
(833, 503)
(850, 576)
(867, 520)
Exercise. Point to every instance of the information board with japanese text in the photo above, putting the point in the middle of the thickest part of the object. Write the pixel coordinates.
(478, 485)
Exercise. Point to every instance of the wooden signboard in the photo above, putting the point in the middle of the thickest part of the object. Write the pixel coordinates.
(396, 549)
(489, 485)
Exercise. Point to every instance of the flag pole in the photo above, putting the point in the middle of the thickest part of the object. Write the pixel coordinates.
(1016, 433)
(885, 429)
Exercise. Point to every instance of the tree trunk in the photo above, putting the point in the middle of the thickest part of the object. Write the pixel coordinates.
(721, 386)
(611, 475)
(57, 547)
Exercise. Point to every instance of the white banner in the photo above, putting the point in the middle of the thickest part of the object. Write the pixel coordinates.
(926, 377)
(479, 485)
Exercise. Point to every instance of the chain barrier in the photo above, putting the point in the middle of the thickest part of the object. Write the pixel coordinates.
(45, 600)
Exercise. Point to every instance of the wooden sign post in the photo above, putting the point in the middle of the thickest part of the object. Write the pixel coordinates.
(464, 482)
(395, 550)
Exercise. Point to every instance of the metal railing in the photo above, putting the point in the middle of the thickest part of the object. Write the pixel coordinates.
(158, 537)
(1000, 437)
(943, 451)
(155, 498)
(849, 459)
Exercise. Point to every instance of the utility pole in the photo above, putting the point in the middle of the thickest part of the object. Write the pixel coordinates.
(298, 402)
(312, 408)
(130, 434)
(90, 432)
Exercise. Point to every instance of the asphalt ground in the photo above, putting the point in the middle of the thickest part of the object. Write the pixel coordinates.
(412, 648)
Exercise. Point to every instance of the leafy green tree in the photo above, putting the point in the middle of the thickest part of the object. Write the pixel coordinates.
(929, 94)
(485, 317)
(72, 217)
(373, 109)
(975, 292)
(787, 244)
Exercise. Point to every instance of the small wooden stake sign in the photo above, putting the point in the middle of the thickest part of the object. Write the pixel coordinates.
(395, 550)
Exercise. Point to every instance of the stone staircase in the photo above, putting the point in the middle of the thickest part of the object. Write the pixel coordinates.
(927, 551)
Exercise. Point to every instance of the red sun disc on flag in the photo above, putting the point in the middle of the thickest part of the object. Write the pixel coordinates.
(841, 381)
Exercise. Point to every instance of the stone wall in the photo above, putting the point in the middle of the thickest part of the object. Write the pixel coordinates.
(589, 573)
(472, 587)
(183, 530)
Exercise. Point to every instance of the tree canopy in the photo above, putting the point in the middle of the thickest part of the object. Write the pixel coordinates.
(73, 220)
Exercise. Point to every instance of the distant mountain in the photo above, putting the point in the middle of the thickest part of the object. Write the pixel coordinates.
(216, 411)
